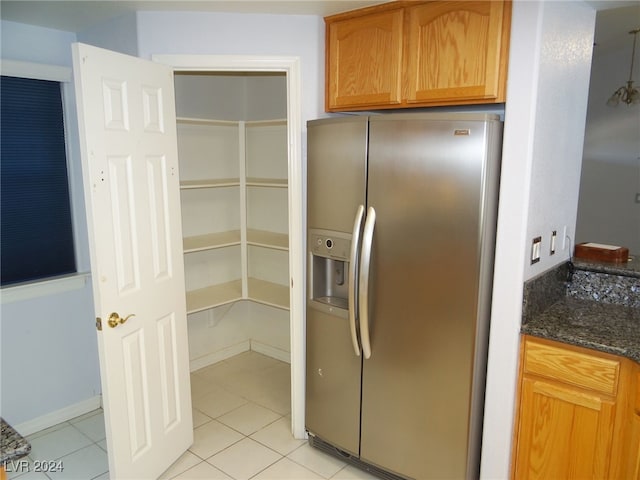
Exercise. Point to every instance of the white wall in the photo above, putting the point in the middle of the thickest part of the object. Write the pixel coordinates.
(231, 97)
(560, 110)
(118, 34)
(49, 356)
(35, 44)
(544, 123)
(607, 211)
(266, 97)
(242, 34)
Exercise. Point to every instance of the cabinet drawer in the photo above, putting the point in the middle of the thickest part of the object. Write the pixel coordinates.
(570, 366)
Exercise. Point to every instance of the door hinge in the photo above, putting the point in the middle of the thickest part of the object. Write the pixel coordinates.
(99, 323)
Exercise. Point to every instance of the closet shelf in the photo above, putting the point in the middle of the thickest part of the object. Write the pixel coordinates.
(266, 182)
(210, 241)
(278, 122)
(268, 293)
(214, 296)
(260, 291)
(262, 238)
(206, 121)
(212, 150)
(210, 183)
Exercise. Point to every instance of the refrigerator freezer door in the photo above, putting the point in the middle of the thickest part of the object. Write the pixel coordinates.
(427, 185)
(336, 172)
(336, 175)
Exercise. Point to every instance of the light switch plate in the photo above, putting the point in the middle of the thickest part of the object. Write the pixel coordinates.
(535, 250)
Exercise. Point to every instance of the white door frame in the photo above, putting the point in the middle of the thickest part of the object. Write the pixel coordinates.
(291, 67)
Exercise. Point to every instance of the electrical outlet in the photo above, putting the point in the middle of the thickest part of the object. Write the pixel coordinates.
(565, 238)
(535, 250)
(552, 245)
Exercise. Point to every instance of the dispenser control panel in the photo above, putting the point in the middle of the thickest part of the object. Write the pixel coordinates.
(330, 244)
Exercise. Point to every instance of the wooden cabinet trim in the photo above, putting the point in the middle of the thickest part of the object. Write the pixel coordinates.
(637, 391)
(359, 12)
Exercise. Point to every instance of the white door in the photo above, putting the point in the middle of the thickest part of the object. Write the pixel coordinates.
(126, 115)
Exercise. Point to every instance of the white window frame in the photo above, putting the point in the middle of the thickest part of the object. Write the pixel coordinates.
(75, 281)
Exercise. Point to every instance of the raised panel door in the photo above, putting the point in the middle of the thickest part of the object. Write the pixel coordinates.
(365, 60)
(455, 51)
(563, 433)
(127, 128)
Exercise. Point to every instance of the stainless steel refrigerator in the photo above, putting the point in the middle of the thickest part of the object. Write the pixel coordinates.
(401, 214)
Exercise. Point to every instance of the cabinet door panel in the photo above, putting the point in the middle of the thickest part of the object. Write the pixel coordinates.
(365, 59)
(454, 50)
(563, 432)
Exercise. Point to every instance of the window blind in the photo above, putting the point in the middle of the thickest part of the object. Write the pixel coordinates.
(36, 232)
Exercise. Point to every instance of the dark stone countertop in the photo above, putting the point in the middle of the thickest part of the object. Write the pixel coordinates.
(12, 444)
(591, 305)
(629, 269)
(600, 326)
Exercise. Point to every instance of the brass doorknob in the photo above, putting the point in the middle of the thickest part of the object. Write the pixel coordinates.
(115, 319)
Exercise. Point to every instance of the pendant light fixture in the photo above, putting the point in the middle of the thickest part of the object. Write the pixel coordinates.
(627, 94)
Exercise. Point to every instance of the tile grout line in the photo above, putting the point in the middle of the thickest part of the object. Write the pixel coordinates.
(247, 396)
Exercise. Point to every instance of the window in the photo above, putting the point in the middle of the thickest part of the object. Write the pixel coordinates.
(36, 233)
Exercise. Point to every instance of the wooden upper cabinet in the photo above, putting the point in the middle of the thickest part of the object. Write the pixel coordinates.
(365, 60)
(455, 51)
(411, 54)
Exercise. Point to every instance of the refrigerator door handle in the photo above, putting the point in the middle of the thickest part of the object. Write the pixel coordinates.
(363, 287)
(353, 279)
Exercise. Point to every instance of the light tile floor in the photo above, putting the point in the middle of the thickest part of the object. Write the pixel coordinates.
(242, 430)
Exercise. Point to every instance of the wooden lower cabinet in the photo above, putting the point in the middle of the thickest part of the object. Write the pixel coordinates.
(574, 407)
(633, 467)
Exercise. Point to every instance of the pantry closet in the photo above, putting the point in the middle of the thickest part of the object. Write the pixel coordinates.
(233, 160)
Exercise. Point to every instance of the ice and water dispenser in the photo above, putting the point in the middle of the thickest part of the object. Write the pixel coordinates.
(329, 271)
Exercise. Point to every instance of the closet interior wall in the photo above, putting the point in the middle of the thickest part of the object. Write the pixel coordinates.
(232, 148)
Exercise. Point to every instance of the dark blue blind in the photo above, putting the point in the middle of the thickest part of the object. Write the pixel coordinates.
(36, 233)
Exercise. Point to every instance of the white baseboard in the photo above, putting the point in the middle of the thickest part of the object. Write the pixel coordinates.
(67, 413)
(270, 351)
(228, 352)
(53, 418)
(218, 356)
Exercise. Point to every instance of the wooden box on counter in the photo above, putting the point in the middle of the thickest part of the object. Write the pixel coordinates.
(601, 253)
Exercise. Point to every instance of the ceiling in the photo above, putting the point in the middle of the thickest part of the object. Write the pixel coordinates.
(615, 18)
(79, 15)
